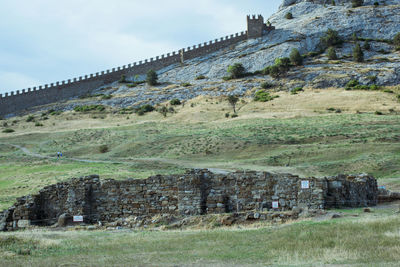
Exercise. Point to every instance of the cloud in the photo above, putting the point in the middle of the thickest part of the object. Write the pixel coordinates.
(44, 41)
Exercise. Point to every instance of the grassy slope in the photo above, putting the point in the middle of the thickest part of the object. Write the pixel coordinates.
(366, 240)
(265, 136)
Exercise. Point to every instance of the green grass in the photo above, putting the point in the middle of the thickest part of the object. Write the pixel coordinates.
(366, 241)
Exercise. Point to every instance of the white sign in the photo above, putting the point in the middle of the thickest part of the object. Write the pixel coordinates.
(305, 184)
(78, 218)
(275, 205)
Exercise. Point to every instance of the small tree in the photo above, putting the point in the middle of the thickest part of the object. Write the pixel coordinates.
(289, 15)
(236, 70)
(331, 38)
(163, 110)
(283, 64)
(332, 53)
(358, 54)
(357, 3)
(296, 58)
(367, 45)
(274, 71)
(396, 39)
(152, 77)
(233, 99)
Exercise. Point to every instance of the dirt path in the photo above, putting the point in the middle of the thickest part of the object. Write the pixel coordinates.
(180, 163)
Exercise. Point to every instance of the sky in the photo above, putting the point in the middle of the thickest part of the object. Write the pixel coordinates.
(45, 41)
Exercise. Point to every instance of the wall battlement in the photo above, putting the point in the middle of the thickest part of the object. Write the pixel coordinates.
(13, 102)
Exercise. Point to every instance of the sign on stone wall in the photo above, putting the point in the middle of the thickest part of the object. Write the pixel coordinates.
(305, 184)
(275, 204)
(78, 218)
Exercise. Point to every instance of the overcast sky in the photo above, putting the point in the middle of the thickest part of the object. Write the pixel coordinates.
(44, 41)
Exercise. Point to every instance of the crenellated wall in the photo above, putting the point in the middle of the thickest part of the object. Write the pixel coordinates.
(194, 193)
(20, 100)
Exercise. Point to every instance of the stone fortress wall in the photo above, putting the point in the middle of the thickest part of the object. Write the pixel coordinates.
(13, 102)
(196, 192)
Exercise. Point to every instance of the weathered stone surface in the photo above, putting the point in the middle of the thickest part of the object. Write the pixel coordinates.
(132, 202)
(64, 220)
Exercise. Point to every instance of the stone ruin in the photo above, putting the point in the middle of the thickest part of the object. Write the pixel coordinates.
(196, 192)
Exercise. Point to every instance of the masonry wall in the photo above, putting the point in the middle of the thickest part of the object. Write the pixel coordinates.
(193, 193)
(14, 102)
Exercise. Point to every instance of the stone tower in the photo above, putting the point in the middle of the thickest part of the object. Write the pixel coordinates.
(256, 26)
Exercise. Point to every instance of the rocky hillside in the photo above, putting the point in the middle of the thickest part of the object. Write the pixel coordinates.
(311, 20)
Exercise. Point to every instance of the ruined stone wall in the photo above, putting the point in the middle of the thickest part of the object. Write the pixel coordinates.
(193, 193)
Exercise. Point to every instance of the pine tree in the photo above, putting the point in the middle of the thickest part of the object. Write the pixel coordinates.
(295, 57)
(358, 54)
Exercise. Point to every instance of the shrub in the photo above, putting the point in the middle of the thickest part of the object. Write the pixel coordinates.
(87, 108)
(351, 84)
(355, 85)
(227, 115)
(357, 3)
(372, 78)
(200, 77)
(175, 102)
(30, 118)
(289, 15)
(122, 79)
(388, 91)
(185, 84)
(236, 70)
(332, 53)
(234, 115)
(274, 71)
(105, 97)
(38, 124)
(376, 3)
(333, 3)
(263, 96)
(396, 39)
(295, 57)
(8, 130)
(294, 91)
(367, 45)
(152, 78)
(144, 109)
(331, 38)
(358, 54)
(103, 149)
(354, 37)
(378, 113)
(266, 85)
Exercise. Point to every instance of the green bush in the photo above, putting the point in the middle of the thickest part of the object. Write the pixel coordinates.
(295, 57)
(388, 91)
(378, 113)
(227, 115)
(396, 39)
(236, 70)
(294, 91)
(123, 79)
(103, 149)
(175, 102)
(234, 115)
(289, 15)
(200, 77)
(8, 130)
(367, 45)
(38, 124)
(332, 53)
(144, 109)
(274, 71)
(105, 97)
(30, 118)
(376, 3)
(331, 38)
(88, 108)
(266, 85)
(357, 3)
(263, 96)
(355, 85)
(152, 78)
(186, 84)
(333, 3)
(358, 54)
(163, 110)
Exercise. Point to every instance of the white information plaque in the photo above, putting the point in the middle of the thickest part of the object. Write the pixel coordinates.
(305, 184)
(78, 218)
(275, 204)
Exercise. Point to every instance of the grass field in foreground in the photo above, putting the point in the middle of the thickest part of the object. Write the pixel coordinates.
(367, 240)
(293, 133)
